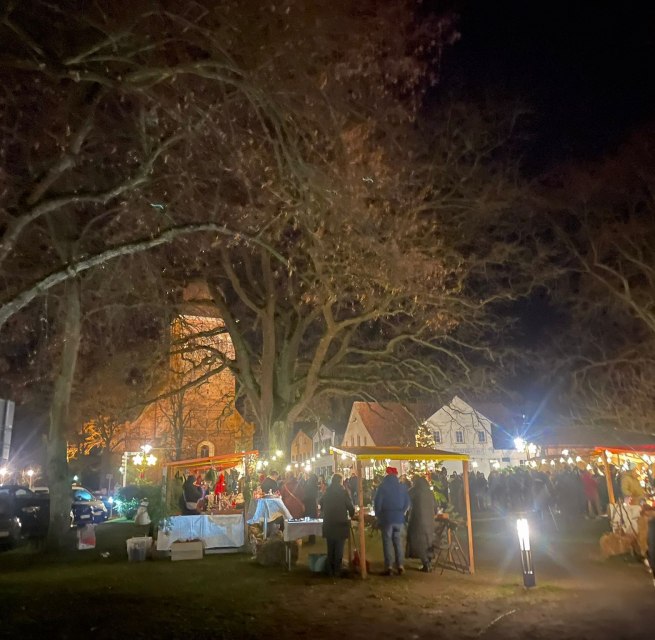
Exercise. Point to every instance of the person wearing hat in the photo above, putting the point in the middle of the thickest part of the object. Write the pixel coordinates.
(391, 504)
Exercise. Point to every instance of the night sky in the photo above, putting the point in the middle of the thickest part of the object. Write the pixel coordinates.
(587, 69)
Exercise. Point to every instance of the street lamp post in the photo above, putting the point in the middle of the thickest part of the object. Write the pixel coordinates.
(30, 475)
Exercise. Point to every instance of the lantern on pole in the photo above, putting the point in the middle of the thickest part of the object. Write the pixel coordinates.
(523, 530)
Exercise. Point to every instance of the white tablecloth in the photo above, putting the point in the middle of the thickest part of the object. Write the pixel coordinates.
(296, 529)
(215, 531)
(267, 510)
(625, 517)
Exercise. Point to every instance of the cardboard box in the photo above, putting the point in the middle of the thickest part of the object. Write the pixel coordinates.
(187, 550)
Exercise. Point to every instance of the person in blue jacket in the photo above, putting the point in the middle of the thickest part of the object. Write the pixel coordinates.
(391, 504)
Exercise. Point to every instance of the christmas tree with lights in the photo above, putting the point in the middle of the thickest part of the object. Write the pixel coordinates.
(424, 437)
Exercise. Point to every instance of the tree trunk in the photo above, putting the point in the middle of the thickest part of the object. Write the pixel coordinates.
(57, 466)
(279, 437)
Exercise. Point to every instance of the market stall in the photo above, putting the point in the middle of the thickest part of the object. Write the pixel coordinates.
(361, 455)
(219, 518)
(623, 461)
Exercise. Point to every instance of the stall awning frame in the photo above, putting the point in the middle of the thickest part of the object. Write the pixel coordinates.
(225, 459)
(362, 454)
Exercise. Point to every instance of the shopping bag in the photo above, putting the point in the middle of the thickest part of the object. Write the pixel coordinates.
(86, 537)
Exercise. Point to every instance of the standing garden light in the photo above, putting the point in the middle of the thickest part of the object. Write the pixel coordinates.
(523, 530)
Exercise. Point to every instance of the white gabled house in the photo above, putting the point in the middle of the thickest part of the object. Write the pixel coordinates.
(468, 427)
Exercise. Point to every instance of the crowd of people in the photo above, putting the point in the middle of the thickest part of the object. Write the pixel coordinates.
(403, 503)
(569, 490)
(398, 503)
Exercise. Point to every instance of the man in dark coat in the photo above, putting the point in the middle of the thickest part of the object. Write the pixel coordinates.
(310, 500)
(391, 504)
(352, 486)
(420, 530)
(336, 509)
(191, 493)
(270, 485)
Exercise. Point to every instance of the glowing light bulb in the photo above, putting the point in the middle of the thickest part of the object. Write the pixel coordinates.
(519, 443)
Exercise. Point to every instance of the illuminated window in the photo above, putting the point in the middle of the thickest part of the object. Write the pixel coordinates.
(459, 437)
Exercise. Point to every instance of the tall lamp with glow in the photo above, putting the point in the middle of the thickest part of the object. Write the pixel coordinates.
(527, 565)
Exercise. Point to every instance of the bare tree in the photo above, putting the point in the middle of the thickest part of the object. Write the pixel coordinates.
(604, 224)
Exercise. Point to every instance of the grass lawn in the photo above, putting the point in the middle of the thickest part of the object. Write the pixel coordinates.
(84, 594)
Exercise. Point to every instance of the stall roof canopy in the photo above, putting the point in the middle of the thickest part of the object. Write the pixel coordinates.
(398, 453)
(595, 438)
(226, 460)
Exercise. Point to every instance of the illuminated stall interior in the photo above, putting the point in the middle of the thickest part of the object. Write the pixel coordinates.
(363, 455)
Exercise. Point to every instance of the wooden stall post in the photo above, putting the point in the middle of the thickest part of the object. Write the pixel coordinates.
(336, 458)
(469, 523)
(608, 480)
(362, 530)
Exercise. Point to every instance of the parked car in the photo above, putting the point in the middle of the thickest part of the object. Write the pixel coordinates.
(10, 526)
(31, 510)
(86, 508)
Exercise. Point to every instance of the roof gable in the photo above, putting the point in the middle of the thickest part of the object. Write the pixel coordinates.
(391, 423)
(300, 436)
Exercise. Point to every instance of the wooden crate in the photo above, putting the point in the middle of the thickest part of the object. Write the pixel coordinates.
(187, 550)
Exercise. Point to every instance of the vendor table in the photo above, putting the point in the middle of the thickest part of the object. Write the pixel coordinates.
(215, 531)
(266, 510)
(296, 529)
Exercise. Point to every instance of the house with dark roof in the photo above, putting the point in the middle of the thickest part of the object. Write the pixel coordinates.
(301, 448)
(461, 426)
(385, 424)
